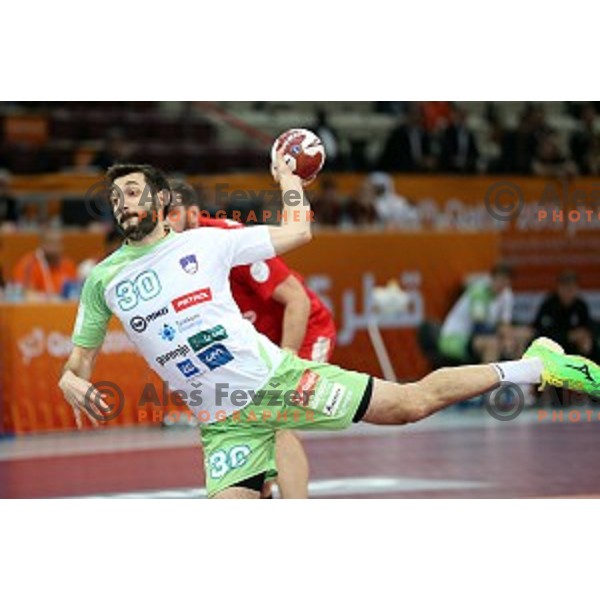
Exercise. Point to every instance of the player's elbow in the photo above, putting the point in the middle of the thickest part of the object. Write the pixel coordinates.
(299, 238)
(304, 237)
(285, 239)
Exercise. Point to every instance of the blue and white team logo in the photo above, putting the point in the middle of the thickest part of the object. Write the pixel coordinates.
(215, 356)
(189, 264)
(168, 333)
(188, 368)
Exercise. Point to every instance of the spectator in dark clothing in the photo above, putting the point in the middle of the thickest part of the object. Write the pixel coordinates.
(565, 317)
(585, 143)
(326, 204)
(8, 204)
(357, 156)
(519, 146)
(330, 139)
(117, 149)
(387, 107)
(361, 210)
(436, 115)
(549, 161)
(459, 148)
(408, 148)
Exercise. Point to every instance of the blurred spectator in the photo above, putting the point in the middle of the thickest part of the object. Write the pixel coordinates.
(585, 145)
(83, 161)
(436, 115)
(245, 207)
(185, 208)
(112, 242)
(392, 210)
(329, 137)
(45, 272)
(495, 136)
(398, 107)
(565, 317)
(478, 327)
(116, 150)
(8, 204)
(549, 161)
(326, 204)
(519, 145)
(409, 147)
(357, 157)
(459, 148)
(360, 210)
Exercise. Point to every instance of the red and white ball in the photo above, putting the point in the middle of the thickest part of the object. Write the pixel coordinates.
(303, 152)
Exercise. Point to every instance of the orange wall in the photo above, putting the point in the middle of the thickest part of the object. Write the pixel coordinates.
(34, 338)
(471, 189)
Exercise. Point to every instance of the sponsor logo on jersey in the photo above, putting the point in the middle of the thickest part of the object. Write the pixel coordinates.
(189, 264)
(192, 299)
(139, 323)
(207, 337)
(306, 386)
(179, 352)
(190, 322)
(334, 399)
(188, 368)
(168, 333)
(215, 356)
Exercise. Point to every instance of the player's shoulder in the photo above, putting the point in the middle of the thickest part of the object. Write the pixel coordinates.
(103, 272)
(199, 235)
(263, 271)
(204, 234)
(204, 222)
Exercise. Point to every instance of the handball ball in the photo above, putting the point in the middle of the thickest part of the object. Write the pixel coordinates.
(303, 152)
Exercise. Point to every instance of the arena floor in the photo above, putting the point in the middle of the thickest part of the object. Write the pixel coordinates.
(457, 454)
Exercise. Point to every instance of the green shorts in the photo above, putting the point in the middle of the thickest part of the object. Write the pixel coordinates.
(300, 395)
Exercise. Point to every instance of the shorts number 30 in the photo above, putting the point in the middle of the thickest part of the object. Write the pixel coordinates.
(221, 461)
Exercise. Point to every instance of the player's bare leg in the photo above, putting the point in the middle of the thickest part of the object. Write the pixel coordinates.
(237, 493)
(396, 404)
(292, 466)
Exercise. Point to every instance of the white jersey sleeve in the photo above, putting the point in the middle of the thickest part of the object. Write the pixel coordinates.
(242, 246)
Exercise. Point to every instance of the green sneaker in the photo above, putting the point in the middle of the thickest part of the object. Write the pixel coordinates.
(564, 370)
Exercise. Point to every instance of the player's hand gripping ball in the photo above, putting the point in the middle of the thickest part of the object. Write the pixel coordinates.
(303, 152)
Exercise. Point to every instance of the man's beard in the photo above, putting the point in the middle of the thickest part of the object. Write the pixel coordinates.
(145, 225)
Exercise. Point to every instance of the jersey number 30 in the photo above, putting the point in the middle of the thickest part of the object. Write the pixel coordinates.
(144, 287)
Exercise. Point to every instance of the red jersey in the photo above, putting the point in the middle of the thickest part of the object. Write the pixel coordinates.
(252, 287)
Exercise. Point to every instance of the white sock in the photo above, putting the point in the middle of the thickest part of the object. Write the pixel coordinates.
(526, 370)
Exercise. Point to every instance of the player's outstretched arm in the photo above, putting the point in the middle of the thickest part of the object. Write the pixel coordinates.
(76, 387)
(294, 230)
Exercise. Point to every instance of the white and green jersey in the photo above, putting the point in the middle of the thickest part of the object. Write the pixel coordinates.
(174, 301)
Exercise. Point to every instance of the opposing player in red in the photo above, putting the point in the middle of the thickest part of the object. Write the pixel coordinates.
(279, 305)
